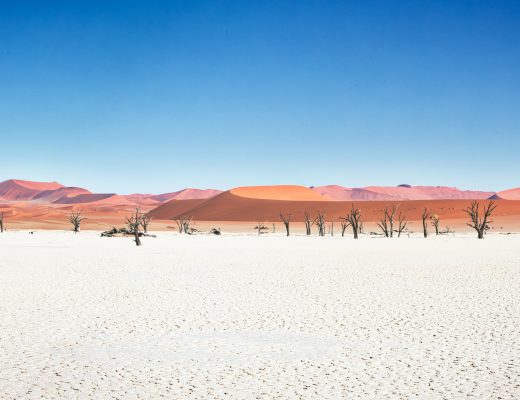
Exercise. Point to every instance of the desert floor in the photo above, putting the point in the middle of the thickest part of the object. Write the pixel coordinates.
(248, 317)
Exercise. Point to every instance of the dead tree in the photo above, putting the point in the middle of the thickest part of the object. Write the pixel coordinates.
(480, 221)
(286, 221)
(435, 223)
(352, 219)
(331, 228)
(308, 223)
(261, 228)
(134, 222)
(2, 216)
(447, 231)
(183, 224)
(75, 219)
(344, 226)
(425, 215)
(403, 223)
(391, 215)
(145, 221)
(387, 222)
(319, 221)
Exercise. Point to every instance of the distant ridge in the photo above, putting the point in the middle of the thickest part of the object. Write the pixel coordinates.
(17, 189)
(401, 192)
(55, 193)
(511, 194)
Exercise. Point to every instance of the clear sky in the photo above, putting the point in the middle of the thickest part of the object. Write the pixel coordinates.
(153, 96)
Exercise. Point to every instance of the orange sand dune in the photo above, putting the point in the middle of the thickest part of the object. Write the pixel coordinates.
(511, 194)
(16, 189)
(187, 194)
(279, 192)
(50, 196)
(99, 198)
(229, 207)
(141, 199)
(175, 208)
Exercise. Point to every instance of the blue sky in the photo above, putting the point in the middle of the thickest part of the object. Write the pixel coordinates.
(131, 96)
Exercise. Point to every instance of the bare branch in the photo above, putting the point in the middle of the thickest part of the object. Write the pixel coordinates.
(75, 218)
(286, 221)
(480, 222)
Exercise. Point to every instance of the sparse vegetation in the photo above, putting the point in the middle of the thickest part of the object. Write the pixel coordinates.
(403, 224)
(352, 219)
(183, 225)
(387, 222)
(2, 217)
(344, 226)
(261, 228)
(480, 218)
(308, 223)
(286, 221)
(319, 221)
(75, 218)
(435, 223)
(425, 215)
(134, 222)
(145, 221)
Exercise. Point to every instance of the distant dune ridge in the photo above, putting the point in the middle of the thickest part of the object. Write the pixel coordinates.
(401, 192)
(56, 193)
(511, 194)
(16, 189)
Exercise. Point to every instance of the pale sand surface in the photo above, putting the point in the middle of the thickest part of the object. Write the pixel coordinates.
(247, 317)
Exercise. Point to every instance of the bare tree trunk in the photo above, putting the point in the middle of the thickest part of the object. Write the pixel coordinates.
(286, 221)
(145, 221)
(344, 226)
(352, 219)
(134, 222)
(308, 223)
(435, 222)
(2, 222)
(425, 215)
(320, 223)
(390, 216)
(402, 224)
(383, 223)
(137, 238)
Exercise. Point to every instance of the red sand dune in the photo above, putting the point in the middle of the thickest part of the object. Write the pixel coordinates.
(175, 208)
(340, 193)
(16, 189)
(141, 199)
(279, 192)
(402, 192)
(230, 207)
(50, 196)
(511, 194)
(187, 194)
(99, 198)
